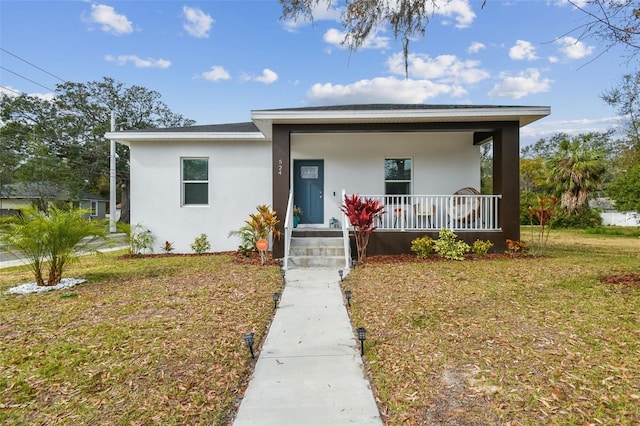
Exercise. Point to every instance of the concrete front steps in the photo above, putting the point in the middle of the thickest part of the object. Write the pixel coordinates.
(316, 249)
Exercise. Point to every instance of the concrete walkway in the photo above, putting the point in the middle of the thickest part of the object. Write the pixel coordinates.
(309, 371)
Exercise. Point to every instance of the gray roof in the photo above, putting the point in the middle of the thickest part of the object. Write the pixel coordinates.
(389, 107)
(36, 190)
(246, 127)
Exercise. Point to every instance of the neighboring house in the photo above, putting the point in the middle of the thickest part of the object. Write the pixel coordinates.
(208, 179)
(16, 196)
(611, 216)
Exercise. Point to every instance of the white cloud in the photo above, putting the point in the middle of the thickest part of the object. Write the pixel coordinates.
(525, 83)
(572, 48)
(138, 62)
(216, 73)
(523, 50)
(553, 59)
(573, 4)
(444, 68)
(320, 12)
(460, 10)
(12, 92)
(380, 90)
(373, 41)
(109, 20)
(197, 23)
(475, 47)
(267, 76)
(547, 128)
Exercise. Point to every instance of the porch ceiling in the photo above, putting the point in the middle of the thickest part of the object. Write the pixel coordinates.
(393, 114)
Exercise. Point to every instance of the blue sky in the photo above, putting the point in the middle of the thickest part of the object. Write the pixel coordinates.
(215, 61)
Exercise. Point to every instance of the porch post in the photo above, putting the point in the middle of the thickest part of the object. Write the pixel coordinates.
(281, 152)
(506, 178)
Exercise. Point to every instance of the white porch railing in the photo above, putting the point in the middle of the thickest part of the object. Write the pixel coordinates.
(433, 212)
(345, 238)
(288, 231)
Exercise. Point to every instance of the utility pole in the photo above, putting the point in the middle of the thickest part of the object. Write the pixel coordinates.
(112, 178)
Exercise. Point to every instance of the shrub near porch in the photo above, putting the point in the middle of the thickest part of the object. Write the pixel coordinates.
(509, 341)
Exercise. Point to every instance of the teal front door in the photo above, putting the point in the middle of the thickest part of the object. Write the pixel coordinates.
(308, 189)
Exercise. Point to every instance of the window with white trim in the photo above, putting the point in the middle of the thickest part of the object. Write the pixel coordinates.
(397, 176)
(195, 181)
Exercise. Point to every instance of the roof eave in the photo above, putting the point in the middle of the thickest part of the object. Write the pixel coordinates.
(264, 119)
(126, 138)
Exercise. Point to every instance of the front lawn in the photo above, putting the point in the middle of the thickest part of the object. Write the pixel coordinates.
(144, 341)
(506, 341)
(475, 342)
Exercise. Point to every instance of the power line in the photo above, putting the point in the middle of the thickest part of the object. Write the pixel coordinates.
(28, 79)
(35, 66)
(10, 90)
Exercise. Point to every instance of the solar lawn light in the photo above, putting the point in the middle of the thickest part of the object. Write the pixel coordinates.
(282, 274)
(249, 340)
(354, 262)
(276, 297)
(347, 294)
(341, 273)
(362, 336)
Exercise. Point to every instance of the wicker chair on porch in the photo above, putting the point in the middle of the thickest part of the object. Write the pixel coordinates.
(465, 211)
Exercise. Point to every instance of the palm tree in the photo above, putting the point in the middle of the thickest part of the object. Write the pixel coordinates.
(577, 172)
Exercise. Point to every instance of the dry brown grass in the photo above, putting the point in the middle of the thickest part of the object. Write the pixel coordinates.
(505, 341)
(145, 341)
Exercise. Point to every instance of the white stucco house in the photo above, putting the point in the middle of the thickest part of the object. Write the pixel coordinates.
(208, 179)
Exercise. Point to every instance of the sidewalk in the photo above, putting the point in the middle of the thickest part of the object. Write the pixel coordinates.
(309, 371)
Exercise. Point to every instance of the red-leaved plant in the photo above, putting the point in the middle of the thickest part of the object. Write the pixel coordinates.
(363, 213)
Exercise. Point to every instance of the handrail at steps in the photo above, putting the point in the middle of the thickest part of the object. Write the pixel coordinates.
(288, 231)
(345, 237)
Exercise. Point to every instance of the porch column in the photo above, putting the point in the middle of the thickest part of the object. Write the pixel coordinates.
(281, 160)
(506, 178)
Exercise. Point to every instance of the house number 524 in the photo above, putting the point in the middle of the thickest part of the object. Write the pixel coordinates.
(280, 166)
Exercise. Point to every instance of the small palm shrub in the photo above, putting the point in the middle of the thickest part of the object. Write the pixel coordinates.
(140, 239)
(54, 238)
(422, 247)
(201, 244)
(481, 248)
(449, 247)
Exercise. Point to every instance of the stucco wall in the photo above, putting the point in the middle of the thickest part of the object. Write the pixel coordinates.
(442, 162)
(239, 180)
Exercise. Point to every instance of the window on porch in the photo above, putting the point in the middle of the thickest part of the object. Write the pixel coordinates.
(397, 176)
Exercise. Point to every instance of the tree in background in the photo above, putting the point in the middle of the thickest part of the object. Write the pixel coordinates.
(615, 22)
(70, 128)
(625, 188)
(577, 172)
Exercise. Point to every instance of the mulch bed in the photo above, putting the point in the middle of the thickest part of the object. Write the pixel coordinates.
(254, 259)
(622, 279)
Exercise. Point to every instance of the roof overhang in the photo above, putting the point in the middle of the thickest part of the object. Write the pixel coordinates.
(126, 138)
(524, 115)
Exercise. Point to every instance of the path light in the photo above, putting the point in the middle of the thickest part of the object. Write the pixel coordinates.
(347, 294)
(362, 336)
(282, 274)
(354, 263)
(248, 339)
(276, 297)
(341, 272)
